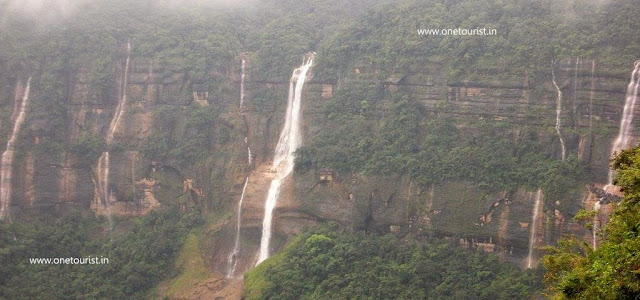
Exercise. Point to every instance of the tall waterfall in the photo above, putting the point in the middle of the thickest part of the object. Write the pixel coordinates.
(558, 113)
(534, 225)
(242, 96)
(624, 134)
(6, 167)
(623, 140)
(103, 162)
(288, 142)
(232, 260)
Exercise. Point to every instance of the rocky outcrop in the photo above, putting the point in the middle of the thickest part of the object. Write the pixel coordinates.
(491, 220)
(495, 221)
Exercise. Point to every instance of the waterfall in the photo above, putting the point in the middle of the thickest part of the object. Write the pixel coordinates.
(17, 99)
(288, 142)
(249, 156)
(232, 261)
(596, 224)
(103, 183)
(242, 75)
(534, 224)
(6, 166)
(123, 101)
(103, 162)
(558, 113)
(624, 134)
(575, 88)
(591, 93)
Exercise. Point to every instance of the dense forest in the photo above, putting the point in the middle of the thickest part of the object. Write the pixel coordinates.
(138, 259)
(325, 264)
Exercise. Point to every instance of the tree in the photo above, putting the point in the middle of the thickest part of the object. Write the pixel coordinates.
(612, 271)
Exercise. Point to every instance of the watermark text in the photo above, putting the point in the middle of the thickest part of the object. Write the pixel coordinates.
(479, 31)
(69, 260)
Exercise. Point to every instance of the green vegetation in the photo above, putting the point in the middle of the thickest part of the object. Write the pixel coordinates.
(324, 264)
(88, 149)
(372, 130)
(138, 258)
(433, 148)
(367, 128)
(612, 271)
(184, 136)
(191, 265)
(530, 33)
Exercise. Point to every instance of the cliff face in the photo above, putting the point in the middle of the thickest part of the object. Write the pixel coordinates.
(62, 182)
(486, 218)
(478, 217)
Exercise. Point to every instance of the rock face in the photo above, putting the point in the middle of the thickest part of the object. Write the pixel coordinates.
(62, 182)
(489, 220)
(482, 218)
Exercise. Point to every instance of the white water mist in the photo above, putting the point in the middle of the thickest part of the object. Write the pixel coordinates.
(288, 142)
(232, 260)
(596, 224)
(534, 225)
(103, 162)
(623, 140)
(6, 166)
(558, 113)
(242, 76)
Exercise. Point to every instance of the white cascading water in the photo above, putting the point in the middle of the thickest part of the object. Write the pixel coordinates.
(288, 142)
(103, 162)
(596, 224)
(6, 166)
(575, 85)
(17, 99)
(232, 260)
(534, 224)
(591, 93)
(242, 75)
(623, 140)
(558, 113)
(242, 95)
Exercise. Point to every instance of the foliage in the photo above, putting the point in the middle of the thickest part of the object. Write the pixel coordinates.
(138, 259)
(530, 33)
(374, 131)
(324, 264)
(612, 271)
(88, 148)
(192, 267)
(184, 136)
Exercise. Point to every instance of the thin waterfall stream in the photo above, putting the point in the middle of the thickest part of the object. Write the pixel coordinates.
(6, 166)
(558, 113)
(232, 260)
(103, 162)
(534, 225)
